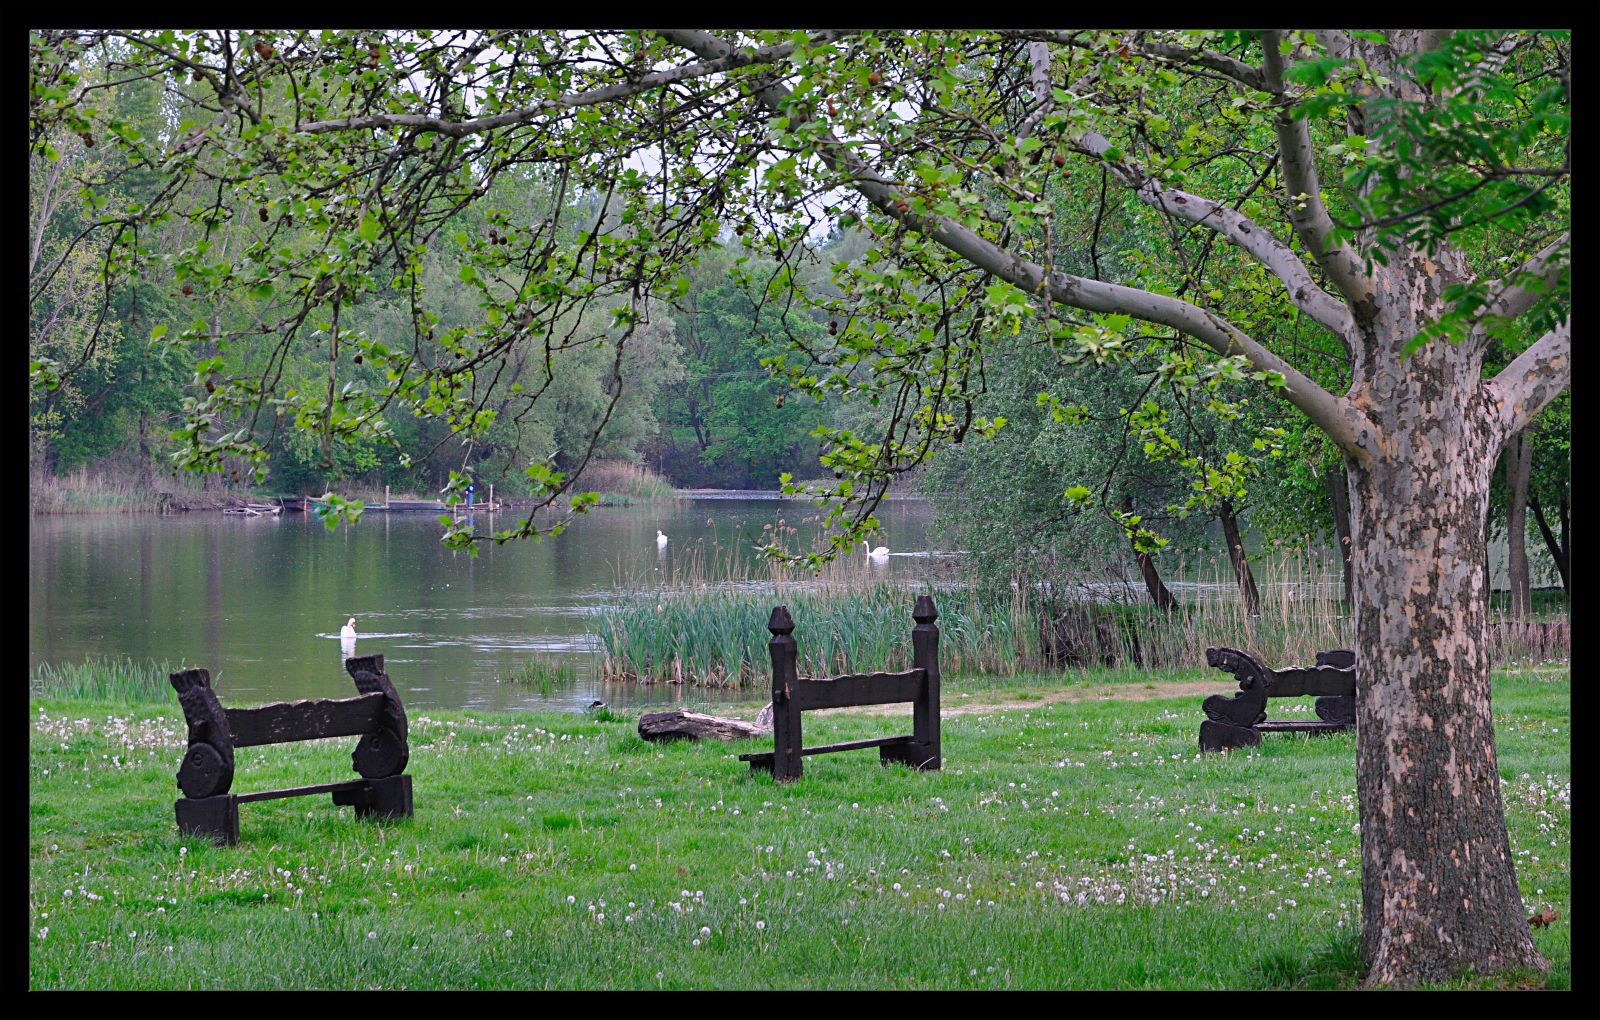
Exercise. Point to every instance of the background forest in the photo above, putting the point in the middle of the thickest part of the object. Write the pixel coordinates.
(688, 396)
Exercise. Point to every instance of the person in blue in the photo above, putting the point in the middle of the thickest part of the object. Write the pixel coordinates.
(469, 495)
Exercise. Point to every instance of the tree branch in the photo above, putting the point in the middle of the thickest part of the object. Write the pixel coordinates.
(1335, 416)
(1223, 64)
(1238, 230)
(1509, 299)
(1533, 380)
(593, 97)
(1306, 211)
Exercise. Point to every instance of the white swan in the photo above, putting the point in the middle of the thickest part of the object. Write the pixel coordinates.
(661, 540)
(878, 555)
(348, 631)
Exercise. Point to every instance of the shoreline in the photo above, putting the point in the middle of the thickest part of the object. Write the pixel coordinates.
(167, 503)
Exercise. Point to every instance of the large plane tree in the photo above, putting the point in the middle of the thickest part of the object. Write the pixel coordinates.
(1400, 195)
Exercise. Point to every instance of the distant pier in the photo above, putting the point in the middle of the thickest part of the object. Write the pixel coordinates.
(308, 504)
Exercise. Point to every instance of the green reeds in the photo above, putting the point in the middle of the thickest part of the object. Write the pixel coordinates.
(705, 622)
(79, 492)
(122, 680)
(544, 672)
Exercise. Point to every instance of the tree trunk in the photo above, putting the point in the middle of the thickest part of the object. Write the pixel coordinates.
(1152, 581)
(682, 725)
(1519, 466)
(1339, 491)
(1241, 566)
(1558, 548)
(1439, 885)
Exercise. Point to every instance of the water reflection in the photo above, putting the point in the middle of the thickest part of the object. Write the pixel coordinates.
(250, 603)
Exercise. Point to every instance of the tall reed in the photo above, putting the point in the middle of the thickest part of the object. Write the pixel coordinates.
(1301, 613)
(122, 680)
(705, 620)
(79, 492)
(544, 672)
(621, 482)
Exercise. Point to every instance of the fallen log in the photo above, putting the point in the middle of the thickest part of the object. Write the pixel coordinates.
(680, 725)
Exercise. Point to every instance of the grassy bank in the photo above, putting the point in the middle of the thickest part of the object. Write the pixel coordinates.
(1073, 840)
(114, 492)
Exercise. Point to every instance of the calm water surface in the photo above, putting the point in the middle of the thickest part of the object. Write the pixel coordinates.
(259, 601)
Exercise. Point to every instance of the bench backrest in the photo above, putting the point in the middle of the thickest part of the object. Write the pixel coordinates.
(793, 694)
(214, 731)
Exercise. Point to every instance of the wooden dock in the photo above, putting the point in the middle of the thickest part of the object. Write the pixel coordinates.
(307, 504)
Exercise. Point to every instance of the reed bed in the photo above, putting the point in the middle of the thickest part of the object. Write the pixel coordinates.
(119, 680)
(79, 492)
(1301, 613)
(704, 622)
(546, 672)
(718, 636)
(621, 482)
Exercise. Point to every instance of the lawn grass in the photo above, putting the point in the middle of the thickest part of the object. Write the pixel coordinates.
(1066, 844)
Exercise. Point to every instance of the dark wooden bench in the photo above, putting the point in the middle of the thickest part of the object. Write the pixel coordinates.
(206, 773)
(1240, 720)
(793, 694)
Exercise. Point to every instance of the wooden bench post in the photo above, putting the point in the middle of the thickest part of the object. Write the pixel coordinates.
(923, 750)
(206, 773)
(793, 694)
(786, 742)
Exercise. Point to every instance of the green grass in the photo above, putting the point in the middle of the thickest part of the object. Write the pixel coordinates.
(1065, 844)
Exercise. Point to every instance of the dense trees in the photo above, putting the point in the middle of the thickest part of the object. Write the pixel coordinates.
(1354, 219)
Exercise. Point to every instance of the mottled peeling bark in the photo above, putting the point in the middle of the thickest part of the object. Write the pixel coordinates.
(1439, 888)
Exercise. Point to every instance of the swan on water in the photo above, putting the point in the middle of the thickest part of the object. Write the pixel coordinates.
(878, 555)
(348, 632)
(661, 540)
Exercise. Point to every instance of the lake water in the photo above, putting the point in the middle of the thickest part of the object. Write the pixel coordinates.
(260, 601)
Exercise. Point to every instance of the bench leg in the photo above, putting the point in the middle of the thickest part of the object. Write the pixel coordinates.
(391, 798)
(924, 757)
(379, 798)
(1219, 736)
(216, 817)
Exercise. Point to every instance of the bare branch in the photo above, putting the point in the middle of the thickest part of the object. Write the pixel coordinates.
(1306, 211)
(1533, 380)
